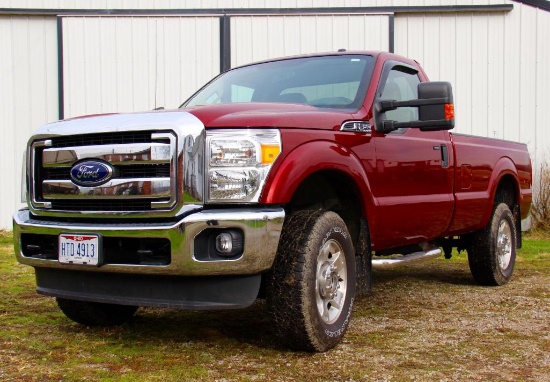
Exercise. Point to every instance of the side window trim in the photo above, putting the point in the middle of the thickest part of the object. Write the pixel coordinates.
(389, 66)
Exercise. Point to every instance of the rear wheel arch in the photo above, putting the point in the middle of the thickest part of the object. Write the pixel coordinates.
(492, 249)
(507, 191)
(503, 188)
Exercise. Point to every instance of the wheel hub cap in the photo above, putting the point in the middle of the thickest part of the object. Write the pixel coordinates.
(331, 285)
(504, 244)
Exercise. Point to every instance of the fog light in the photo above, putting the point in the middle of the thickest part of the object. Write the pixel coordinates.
(215, 244)
(224, 243)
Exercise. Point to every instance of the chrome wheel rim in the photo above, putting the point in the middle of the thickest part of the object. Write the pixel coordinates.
(331, 281)
(504, 244)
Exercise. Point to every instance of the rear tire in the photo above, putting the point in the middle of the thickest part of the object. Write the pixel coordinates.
(311, 288)
(492, 251)
(95, 313)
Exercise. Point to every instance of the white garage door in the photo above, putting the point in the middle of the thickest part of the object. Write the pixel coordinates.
(28, 97)
(123, 64)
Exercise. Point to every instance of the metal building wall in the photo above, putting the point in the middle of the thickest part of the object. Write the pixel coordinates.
(255, 38)
(498, 64)
(28, 97)
(122, 64)
(493, 99)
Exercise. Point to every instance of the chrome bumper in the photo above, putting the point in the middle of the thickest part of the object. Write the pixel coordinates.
(261, 228)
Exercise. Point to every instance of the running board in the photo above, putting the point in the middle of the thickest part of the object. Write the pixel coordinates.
(385, 263)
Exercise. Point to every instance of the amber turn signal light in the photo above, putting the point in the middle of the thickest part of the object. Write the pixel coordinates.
(449, 111)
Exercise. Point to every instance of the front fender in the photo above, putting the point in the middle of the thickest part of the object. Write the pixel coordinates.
(308, 159)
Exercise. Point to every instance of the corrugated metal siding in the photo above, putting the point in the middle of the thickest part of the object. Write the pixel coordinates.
(497, 62)
(132, 63)
(498, 65)
(255, 38)
(542, 99)
(28, 97)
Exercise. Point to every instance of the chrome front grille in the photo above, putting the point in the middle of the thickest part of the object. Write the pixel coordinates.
(144, 175)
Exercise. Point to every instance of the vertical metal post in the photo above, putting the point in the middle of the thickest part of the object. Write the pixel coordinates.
(391, 37)
(60, 83)
(225, 43)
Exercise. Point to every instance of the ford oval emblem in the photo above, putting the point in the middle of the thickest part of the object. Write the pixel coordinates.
(90, 173)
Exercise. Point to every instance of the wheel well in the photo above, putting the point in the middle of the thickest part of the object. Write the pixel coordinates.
(333, 191)
(507, 192)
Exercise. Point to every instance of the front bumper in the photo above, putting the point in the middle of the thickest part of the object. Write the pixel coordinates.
(261, 229)
(178, 292)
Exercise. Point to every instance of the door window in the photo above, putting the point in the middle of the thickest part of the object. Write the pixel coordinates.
(401, 86)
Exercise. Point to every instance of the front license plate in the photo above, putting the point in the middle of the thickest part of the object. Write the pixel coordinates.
(79, 249)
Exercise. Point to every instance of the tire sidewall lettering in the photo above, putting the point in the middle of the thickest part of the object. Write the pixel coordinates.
(337, 329)
(339, 332)
(334, 230)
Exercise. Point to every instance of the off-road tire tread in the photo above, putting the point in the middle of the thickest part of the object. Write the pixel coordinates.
(285, 292)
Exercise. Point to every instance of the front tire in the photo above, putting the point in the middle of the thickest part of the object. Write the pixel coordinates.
(95, 313)
(311, 288)
(492, 251)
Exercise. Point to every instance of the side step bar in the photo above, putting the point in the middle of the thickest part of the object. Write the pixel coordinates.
(385, 263)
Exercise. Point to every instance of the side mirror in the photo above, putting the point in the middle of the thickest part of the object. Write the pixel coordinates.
(435, 109)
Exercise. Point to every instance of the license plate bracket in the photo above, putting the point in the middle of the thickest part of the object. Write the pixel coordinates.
(80, 248)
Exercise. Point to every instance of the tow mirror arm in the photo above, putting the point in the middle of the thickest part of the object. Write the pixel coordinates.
(435, 109)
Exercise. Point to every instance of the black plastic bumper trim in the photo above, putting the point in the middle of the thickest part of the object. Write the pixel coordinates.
(197, 293)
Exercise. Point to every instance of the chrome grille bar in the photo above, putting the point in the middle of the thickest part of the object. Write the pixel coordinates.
(121, 188)
(148, 153)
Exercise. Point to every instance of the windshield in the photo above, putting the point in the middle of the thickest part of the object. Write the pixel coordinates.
(323, 81)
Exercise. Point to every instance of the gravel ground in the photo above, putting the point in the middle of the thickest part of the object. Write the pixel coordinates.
(432, 323)
(425, 322)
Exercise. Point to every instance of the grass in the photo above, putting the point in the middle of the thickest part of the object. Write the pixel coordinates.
(425, 322)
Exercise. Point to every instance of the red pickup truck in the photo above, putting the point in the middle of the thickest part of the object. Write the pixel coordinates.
(287, 179)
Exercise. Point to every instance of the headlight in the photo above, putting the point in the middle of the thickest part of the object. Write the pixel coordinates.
(238, 162)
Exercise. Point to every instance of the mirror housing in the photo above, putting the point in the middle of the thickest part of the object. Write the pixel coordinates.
(435, 109)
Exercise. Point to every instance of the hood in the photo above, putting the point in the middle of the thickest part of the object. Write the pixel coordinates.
(277, 115)
(178, 120)
(282, 115)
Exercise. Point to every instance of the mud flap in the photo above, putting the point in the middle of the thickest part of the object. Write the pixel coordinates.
(363, 260)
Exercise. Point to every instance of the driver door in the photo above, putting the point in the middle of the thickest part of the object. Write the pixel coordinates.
(413, 180)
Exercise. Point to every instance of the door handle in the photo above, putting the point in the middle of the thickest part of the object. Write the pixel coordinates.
(444, 155)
